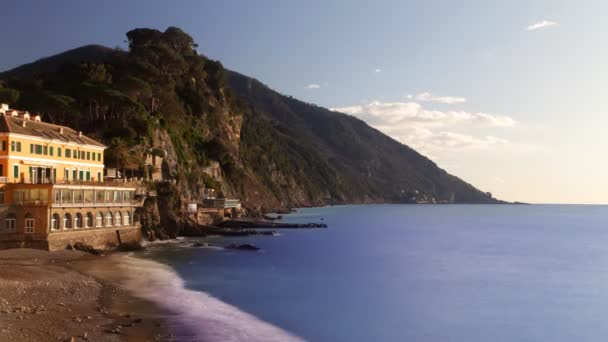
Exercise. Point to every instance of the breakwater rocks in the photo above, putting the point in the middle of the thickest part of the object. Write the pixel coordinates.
(244, 224)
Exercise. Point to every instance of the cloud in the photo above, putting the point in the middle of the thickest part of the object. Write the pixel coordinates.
(313, 86)
(540, 25)
(409, 113)
(377, 70)
(429, 131)
(428, 97)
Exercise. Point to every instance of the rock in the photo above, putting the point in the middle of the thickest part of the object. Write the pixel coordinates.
(87, 248)
(243, 247)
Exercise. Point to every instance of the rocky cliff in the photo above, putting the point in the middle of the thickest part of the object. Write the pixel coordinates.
(162, 97)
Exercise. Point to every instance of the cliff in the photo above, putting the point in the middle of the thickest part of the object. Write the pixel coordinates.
(162, 97)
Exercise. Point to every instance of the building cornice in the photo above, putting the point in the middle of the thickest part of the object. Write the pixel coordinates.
(50, 161)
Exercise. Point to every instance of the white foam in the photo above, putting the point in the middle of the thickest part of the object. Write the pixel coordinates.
(206, 316)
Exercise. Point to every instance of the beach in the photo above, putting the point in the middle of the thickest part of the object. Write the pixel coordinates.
(72, 296)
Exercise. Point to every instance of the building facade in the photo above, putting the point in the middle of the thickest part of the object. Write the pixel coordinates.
(52, 190)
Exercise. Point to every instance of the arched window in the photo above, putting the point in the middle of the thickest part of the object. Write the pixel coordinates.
(99, 220)
(10, 223)
(78, 221)
(88, 220)
(117, 219)
(67, 221)
(126, 218)
(55, 222)
(108, 219)
(29, 223)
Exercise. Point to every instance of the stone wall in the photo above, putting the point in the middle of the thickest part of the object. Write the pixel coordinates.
(101, 238)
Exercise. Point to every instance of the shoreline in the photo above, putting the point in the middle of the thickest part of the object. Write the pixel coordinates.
(72, 296)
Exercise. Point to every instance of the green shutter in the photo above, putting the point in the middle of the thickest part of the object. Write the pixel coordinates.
(32, 148)
(58, 151)
(16, 171)
(51, 151)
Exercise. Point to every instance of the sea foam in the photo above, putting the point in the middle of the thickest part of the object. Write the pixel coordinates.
(204, 316)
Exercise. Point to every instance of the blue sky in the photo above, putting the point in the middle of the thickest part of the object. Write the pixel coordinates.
(507, 95)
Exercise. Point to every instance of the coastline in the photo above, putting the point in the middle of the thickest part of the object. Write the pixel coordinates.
(71, 296)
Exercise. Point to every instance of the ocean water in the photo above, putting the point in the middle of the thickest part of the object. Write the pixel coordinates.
(396, 273)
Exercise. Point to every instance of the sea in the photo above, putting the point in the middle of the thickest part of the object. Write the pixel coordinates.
(393, 273)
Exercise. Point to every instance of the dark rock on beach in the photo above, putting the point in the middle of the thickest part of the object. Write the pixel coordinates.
(243, 247)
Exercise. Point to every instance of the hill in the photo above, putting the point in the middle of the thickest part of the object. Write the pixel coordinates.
(273, 151)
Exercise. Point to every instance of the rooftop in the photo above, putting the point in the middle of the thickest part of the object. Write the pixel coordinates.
(20, 122)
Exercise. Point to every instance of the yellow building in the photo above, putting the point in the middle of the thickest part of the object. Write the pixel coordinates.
(52, 189)
(33, 151)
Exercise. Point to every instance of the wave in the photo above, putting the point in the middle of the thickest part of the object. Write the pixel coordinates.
(201, 314)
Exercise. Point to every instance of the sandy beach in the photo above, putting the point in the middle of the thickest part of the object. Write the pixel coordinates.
(71, 296)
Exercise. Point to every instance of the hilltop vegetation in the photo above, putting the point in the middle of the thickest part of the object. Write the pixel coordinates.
(163, 97)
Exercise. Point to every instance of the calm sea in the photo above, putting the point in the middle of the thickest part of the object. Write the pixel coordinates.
(401, 273)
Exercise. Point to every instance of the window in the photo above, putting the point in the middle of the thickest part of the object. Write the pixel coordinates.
(99, 196)
(67, 221)
(68, 153)
(32, 148)
(1, 197)
(78, 196)
(10, 223)
(88, 220)
(108, 219)
(75, 174)
(58, 151)
(78, 221)
(99, 176)
(38, 149)
(117, 219)
(67, 174)
(3, 145)
(126, 219)
(29, 223)
(1, 170)
(99, 220)
(55, 222)
(82, 155)
(66, 196)
(16, 171)
(88, 155)
(45, 150)
(93, 155)
(13, 146)
(51, 151)
(99, 156)
(18, 146)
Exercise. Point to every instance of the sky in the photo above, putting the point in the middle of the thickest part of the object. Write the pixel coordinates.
(507, 95)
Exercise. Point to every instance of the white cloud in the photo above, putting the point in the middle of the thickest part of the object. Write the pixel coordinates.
(540, 25)
(428, 97)
(378, 70)
(313, 86)
(429, 131)
(409, 113)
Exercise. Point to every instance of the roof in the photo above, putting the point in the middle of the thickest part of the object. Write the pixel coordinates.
(44, 130)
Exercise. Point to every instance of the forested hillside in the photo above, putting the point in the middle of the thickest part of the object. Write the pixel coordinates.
(162, 97)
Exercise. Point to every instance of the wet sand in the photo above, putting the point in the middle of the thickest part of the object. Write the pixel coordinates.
(72, 296)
